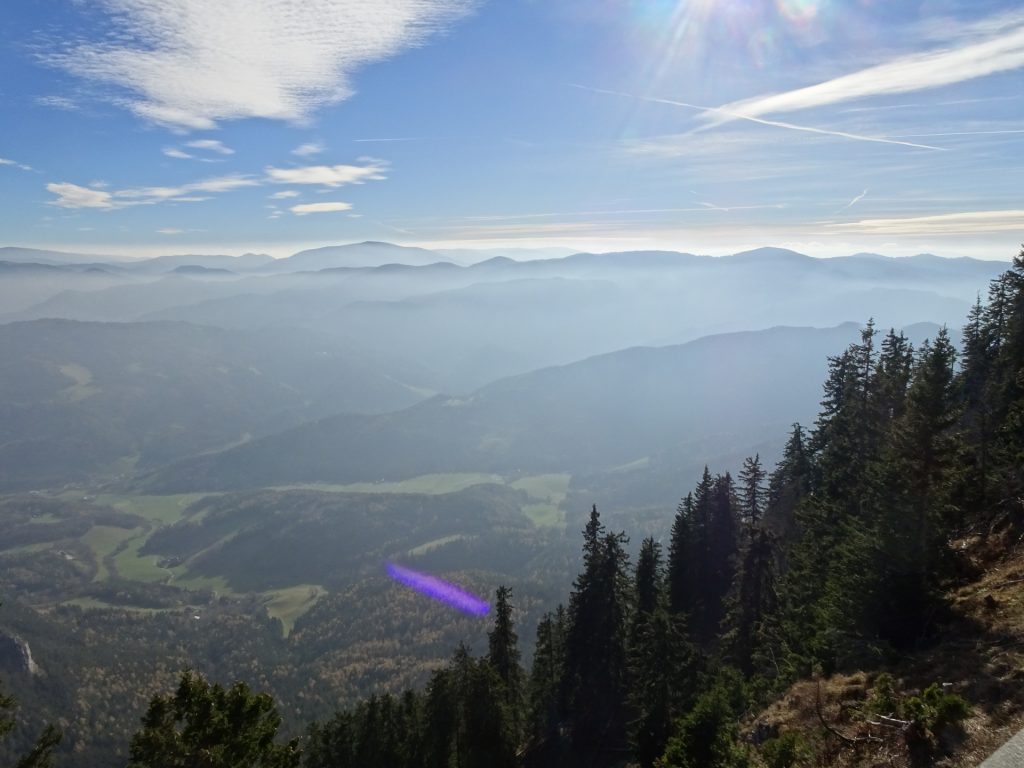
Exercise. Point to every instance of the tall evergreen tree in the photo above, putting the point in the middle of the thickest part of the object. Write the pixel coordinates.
(661, 660)
(547, 676)
(752, 492)
(503, 656)
(596, 645)
(681, 594)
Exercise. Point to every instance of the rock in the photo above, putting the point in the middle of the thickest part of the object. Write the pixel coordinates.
(16, 656)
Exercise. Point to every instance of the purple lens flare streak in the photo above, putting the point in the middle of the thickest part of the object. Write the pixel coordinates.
(439, 589)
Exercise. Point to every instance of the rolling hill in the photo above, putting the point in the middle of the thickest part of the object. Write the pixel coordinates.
(592, 416)
(75, 398)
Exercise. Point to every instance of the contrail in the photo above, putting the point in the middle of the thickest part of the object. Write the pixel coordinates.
(855, 200)
(762, 121)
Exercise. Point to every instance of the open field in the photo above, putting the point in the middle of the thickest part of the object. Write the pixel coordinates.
(429, 484)
(549, 491)
(134, 567)
(546, 492)
(103, 540)
(290, 603)
(160, 510)
(428, 546)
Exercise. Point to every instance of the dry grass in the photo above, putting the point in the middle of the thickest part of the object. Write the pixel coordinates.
(979, 653)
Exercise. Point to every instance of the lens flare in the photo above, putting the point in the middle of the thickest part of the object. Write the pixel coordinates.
(799, 11)
(438, 589)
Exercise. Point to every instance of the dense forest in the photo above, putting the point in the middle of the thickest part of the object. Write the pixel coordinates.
(839, 559)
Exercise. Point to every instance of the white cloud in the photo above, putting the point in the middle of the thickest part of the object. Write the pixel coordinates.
(211, 145)
(190, 63)
(73, 196)
(284, 194)
(310, 148)
(169, 231)
(302, 210)
(1003, 51)
(967, 222)
(15, 164)
(177, 153)
(329, 175)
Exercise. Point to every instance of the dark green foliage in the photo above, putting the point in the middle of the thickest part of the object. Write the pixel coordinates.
(208, 726)
(663, 668)
(707, 736)
(751, 602)
(787, 750)
(547, 675)
(595, 683)
(503, 659)
(662, 662)
(41, 754)
(752, 492)
(935, 709)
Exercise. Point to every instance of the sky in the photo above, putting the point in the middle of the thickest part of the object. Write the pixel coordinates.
(143, 127)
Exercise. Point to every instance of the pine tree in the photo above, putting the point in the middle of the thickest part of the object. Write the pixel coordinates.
(788, 484)
(547, 676)
(681, 596)
(661, 660)
(596, 644)
(722, 548)
(208, 726)
(752, 493)
(503, 656)
(750, 603)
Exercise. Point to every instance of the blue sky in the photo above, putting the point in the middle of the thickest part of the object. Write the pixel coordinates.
(139, 127)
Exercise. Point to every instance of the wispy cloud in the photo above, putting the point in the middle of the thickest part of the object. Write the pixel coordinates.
(284, 194)
(15, 164)
(329, 175)
(726, 114)
(306, 208)
(701, 208)
(853, 202)
(75, 196)
(309, 148)
(57, 102)
(1001, 51)
(176, 153)
(169, 231)
(967, 222)
(210, 145)
(372, 141)
(188, 64)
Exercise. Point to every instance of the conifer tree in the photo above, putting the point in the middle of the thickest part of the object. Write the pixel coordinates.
(752, 492)
(681, 596)
(503, 656)
(547, 675)
(661, 660)
(596, 644)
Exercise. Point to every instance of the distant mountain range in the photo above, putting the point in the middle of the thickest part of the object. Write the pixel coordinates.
(716, 396)
(465, 326)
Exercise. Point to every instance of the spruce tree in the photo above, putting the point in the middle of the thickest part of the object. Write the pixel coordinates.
(503, 656)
